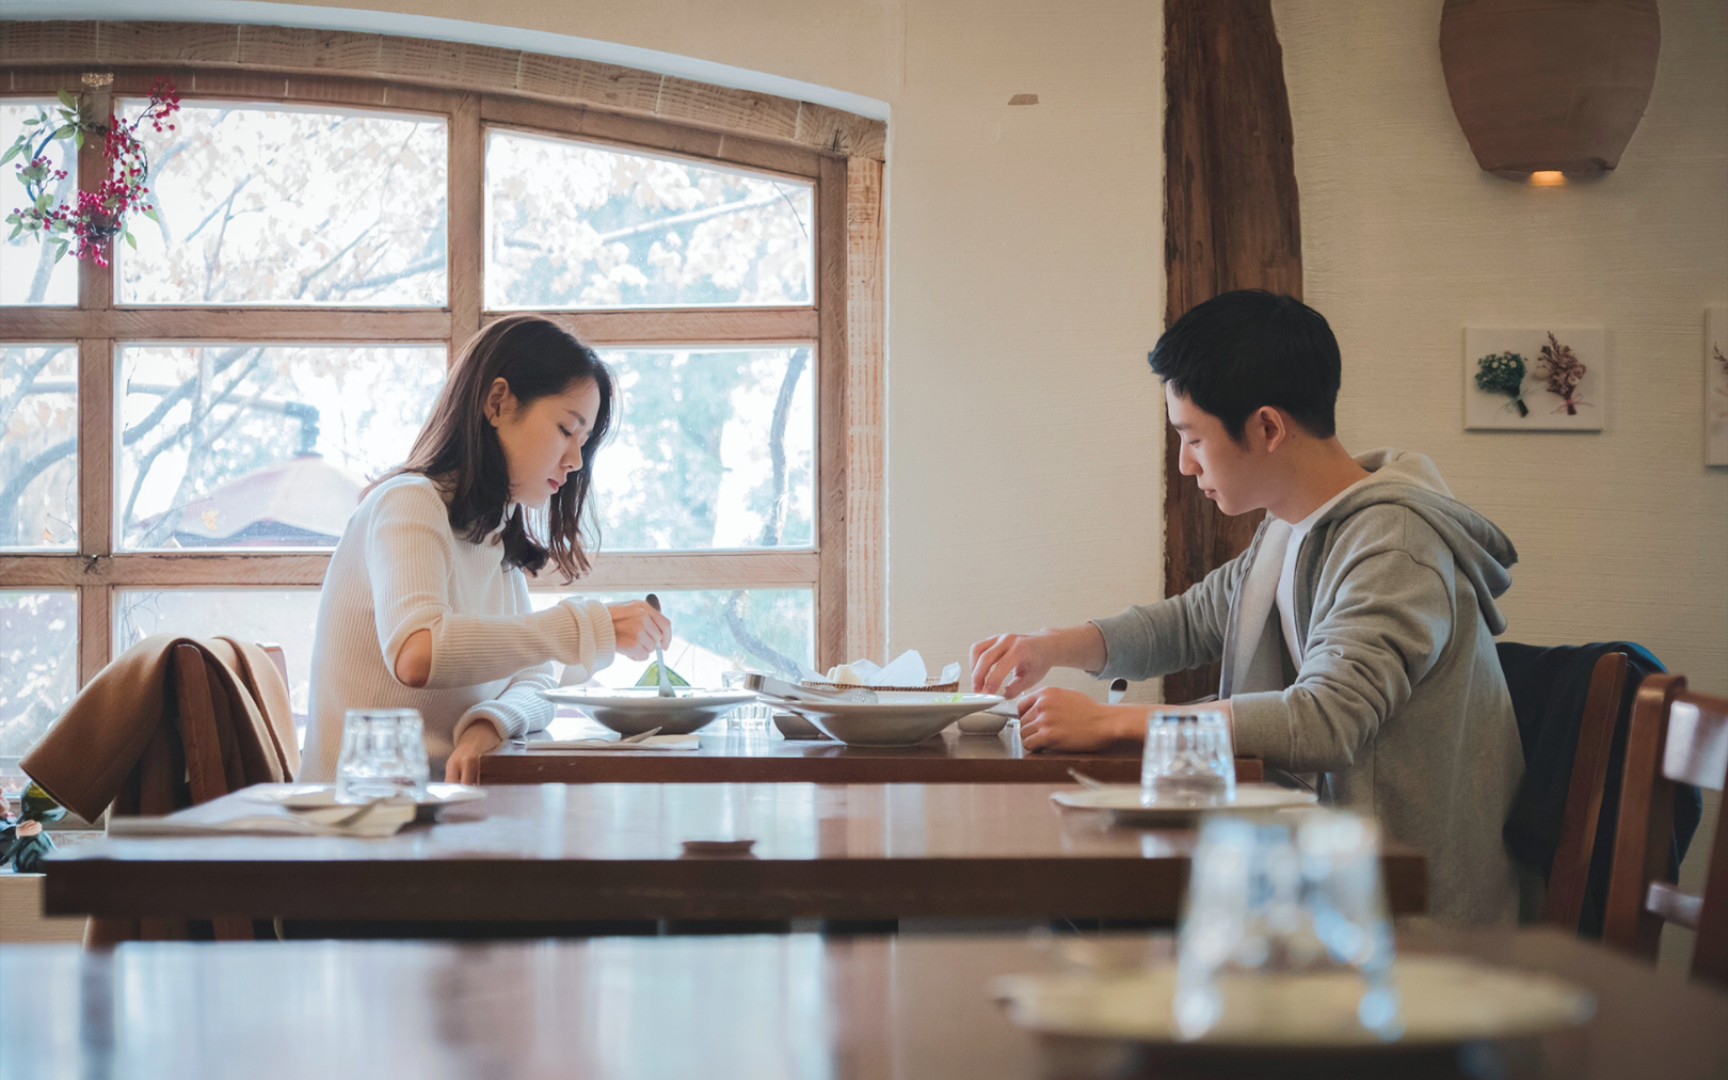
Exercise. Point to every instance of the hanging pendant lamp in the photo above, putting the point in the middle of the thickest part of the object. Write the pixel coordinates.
(1549, 85)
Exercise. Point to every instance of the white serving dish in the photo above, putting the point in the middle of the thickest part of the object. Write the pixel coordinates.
(633, 710)
(899, 719)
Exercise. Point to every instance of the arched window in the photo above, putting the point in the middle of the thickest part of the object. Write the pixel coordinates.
(183, 434)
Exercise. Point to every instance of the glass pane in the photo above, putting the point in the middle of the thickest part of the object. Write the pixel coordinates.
(576, 225)
(29, 273)
(713, 449)
(261, 446)
(715, 631)
(286, 617)
(38, 446)
(38, 664)
(279, 205)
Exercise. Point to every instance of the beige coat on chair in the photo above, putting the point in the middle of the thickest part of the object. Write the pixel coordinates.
(171, 723)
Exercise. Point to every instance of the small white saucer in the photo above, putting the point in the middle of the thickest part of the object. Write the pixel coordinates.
(319, 796)
(1123, 803)
(1443, 1001)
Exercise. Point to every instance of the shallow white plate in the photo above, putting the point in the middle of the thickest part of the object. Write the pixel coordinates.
(900, 719)
(633, 710)
(319, 796)
(1443, 1001)
(1123, 802)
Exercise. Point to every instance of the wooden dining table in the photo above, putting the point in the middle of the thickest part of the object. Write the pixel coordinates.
(551, 854)
(728, 755)
(754, 1008)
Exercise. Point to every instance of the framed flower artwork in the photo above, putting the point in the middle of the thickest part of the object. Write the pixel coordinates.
(1545, 379)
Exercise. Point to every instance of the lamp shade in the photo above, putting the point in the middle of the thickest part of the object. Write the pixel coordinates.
(1541, 85)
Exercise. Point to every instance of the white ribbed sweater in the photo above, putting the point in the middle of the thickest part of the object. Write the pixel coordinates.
(398, 569)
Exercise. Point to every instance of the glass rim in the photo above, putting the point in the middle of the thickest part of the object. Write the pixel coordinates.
(382, 714)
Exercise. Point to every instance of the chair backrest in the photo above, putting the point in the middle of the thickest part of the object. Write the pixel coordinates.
(1569, 874)
(1572, 704)
(1676, 738)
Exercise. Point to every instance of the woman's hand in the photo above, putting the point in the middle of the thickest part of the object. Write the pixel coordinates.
(1056, 719)
(463, 765)
(639, 629)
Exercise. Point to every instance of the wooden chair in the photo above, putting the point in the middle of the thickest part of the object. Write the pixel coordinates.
(1569, 875)
(1676, 737)
(1572, 704)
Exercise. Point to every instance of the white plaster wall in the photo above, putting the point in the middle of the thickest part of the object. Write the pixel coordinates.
(1622, 534)
(851, 45)
(1025, 289)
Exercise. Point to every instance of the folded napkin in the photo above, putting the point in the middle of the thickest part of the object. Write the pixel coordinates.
(231, 816)
(652, 742)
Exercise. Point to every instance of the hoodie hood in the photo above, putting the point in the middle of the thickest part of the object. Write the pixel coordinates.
(1482, 551)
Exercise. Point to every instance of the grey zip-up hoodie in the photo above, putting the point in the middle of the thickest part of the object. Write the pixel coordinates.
(1399, 703)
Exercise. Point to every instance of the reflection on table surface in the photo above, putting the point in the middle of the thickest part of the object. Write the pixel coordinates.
(731, 754)
(756, 1007)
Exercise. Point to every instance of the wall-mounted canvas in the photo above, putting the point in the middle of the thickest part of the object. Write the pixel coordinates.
(1548, 378)
(1716, 384)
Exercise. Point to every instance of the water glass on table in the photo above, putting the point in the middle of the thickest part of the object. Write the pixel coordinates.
(383, 756)
(752, 719)
(1285, 928)
(1188, 760)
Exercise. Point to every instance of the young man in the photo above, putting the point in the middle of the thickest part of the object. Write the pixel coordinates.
(1357, 631)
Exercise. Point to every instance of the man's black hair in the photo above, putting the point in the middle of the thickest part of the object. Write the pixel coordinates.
(1241, 350)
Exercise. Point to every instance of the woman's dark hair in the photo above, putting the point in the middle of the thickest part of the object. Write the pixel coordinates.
(1241, 350)
(460, 450)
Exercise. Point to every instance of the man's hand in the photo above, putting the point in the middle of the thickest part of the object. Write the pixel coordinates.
(463, 765)
(1056, 719)
(1011, 664)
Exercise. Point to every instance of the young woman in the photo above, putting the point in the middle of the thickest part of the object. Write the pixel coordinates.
(425, 604)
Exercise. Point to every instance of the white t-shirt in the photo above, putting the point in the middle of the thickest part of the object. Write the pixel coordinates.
(1286, 596)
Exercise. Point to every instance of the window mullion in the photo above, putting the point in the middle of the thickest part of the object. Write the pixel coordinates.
(831, 427)
(467, 178)
(688, 327)
(708, 570)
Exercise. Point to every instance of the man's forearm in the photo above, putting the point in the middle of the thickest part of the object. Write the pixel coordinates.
(1079, 647)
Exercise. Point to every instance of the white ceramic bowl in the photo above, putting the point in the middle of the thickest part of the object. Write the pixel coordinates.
(633, 710)
(905, 719)
(983, 723)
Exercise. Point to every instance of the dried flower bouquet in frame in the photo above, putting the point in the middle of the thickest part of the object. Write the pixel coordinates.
(1547, 379)
(1716, 384)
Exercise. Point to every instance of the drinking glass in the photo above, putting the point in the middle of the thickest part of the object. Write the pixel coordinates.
(1188, 760)
(754, 718)
(1285, 929)
(383, 756)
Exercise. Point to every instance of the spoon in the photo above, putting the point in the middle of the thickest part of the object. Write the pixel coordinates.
(660, 656)
(1118, 687)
